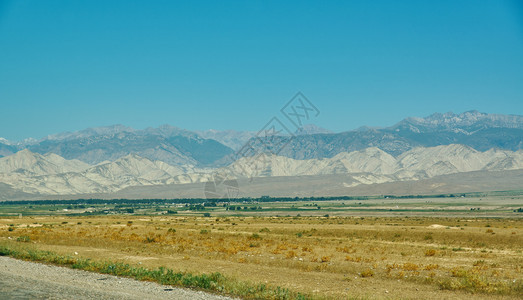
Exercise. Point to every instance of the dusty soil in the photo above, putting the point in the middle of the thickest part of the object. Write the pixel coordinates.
(28, 280)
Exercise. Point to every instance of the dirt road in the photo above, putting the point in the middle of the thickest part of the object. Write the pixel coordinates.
(28, 280)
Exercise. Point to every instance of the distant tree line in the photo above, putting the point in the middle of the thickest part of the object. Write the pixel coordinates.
(214, 202)
(238, 207)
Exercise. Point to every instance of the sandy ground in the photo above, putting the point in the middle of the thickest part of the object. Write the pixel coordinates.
(28, 280)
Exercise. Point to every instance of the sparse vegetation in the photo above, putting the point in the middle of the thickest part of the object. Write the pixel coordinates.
(391, 254)
(367, 273)
(212, 282)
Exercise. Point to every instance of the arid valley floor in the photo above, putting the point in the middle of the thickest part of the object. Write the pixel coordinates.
(450, 248)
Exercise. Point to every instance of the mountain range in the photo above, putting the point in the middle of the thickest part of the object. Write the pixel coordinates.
(94, 145)
(480, 131)
(214, 148)
(109, 159)
(51, 174)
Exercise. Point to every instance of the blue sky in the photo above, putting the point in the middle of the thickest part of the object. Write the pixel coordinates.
(69, 65)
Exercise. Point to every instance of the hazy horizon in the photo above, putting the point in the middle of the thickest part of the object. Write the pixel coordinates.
(219, 130)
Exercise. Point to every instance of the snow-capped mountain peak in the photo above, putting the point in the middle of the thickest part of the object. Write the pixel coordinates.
(467, 122)
(5, 141)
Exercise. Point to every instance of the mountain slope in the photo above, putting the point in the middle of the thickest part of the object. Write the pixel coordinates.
(95, 146)
(213, 148)
(7, 148)
(467, 122)
(338, 185)
(26, 161)
(413, 164)
(51, 174)
(230, 138)
(478, 130)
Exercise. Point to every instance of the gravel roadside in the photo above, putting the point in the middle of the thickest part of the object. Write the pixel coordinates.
(27, 280)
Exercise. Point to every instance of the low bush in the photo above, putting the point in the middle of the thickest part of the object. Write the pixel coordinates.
(367, 273)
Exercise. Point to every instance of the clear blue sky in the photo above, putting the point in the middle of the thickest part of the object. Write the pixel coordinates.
(69, 65)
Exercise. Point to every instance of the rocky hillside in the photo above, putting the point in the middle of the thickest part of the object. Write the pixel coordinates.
(213, 148)
(34, 164)
(414, 164)
(166, 143)
(477, 130)
(51, 174)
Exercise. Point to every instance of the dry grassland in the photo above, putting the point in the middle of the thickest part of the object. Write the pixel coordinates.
(322, 257)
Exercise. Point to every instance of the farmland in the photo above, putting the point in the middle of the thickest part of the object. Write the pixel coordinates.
(371, 248)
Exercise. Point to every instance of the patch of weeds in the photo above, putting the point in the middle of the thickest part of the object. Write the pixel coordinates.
(150, 239)
(325, 259)
(472, 281)
(367, 273)
(478, 263)
(23, 239)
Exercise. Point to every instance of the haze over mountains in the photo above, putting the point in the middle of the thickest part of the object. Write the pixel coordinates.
(478, 130)
(94, 145)
(209, 148)
(109, 159)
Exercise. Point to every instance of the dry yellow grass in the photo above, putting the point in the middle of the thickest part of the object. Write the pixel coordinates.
(327, 257)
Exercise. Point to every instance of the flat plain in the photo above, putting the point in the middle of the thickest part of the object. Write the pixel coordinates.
(463, 246)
